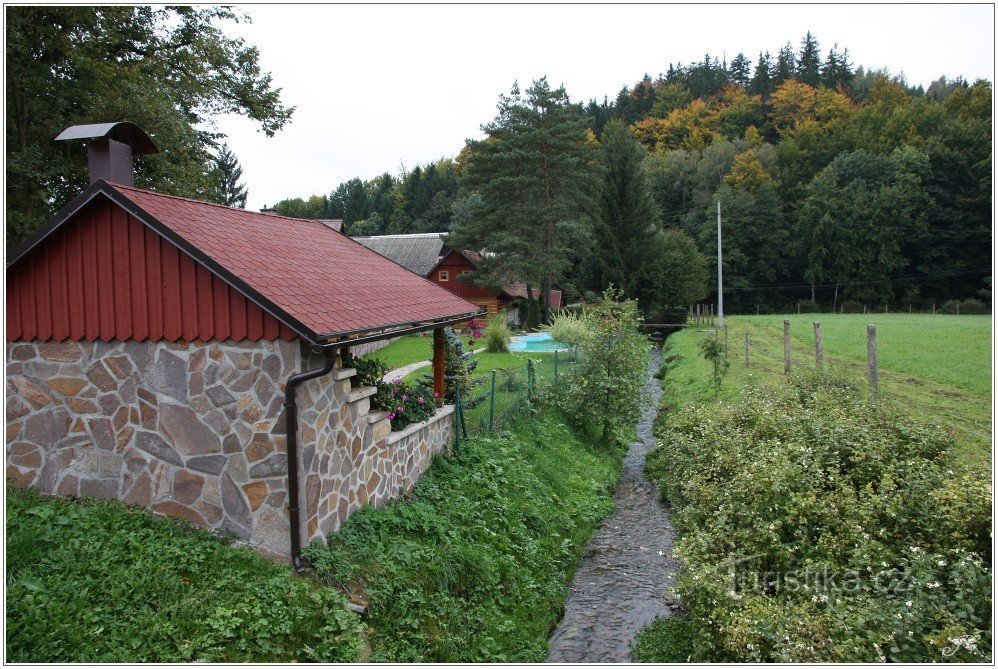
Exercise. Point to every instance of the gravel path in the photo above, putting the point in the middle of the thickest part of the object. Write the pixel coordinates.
(621, 584)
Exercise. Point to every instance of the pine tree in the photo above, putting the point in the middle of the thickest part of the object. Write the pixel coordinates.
(837, 70)
(809, 61)
(629, 216)
(762, 80)
(785, 68)
(738, 72)
(538, 180)
(231, 190)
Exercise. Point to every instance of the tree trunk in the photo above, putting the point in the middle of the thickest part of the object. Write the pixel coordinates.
(835, 302)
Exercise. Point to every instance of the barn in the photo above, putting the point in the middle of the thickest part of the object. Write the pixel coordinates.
(187, 357)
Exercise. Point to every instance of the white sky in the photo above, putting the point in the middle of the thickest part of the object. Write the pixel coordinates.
(378, 87)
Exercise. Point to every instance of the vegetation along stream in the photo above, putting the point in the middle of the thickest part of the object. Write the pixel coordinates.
(622, 583)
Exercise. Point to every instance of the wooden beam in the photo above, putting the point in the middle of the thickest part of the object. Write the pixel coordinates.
(438, 365)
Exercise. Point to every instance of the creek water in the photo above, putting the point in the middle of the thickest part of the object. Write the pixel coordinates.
(622, 583)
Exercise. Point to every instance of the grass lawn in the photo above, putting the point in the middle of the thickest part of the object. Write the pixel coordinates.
(405, 351)
(99, 582)
(474, 564)
(938, 365)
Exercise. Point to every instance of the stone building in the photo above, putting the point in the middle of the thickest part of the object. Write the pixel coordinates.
(186, 357)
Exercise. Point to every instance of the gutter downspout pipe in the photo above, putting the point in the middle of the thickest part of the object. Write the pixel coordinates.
(291, 421)
(291, 414)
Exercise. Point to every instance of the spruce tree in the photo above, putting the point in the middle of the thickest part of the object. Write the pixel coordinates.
(762, 80)
(738, 72)
(809, 61)
(539, 182)
(785, 68)
(231, 190)
(629, 217)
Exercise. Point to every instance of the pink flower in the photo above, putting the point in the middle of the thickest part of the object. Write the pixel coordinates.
(405, 398)
(436, 394)
(397, 382)
(421, 400)
(391, 415)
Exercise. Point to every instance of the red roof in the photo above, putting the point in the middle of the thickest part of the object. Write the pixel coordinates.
(520, 290)
(319, 282)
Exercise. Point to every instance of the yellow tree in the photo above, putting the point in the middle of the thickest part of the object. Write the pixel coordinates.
(747, 173)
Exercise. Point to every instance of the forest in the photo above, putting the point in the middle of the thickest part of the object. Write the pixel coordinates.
(836, 182)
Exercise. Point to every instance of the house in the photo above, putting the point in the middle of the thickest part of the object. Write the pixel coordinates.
(429, 255)
(187, 357)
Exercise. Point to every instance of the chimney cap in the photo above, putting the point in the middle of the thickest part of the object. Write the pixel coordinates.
(125, 132)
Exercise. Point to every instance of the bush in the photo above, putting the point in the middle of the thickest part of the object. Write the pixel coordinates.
(457, 368)
(530, 314)
(568, 328)
(819, 526)
(973, 306)
(97, 582)
(605, 387)
(497, 334)
(473, 565)
(808, 307)
(852, 307)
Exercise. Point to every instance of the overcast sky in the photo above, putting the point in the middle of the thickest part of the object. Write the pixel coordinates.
(380, 87)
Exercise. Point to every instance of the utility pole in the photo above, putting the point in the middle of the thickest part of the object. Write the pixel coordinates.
(720, 282)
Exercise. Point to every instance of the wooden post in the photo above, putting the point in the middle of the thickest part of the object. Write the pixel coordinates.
(438, 365)
(710, 316)
(757, 310)
(819, 350)
(933, 308)
(725, 341)
(871, 357)
(786, 347)
(746, 349)
(958, 308)
(798, 307)
(909, 307)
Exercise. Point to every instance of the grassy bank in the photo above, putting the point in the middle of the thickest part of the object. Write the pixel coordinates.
(474, 565)
(98, 582)
(405, 351)
(940, 366)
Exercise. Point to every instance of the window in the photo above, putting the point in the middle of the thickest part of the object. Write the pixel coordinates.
(465, 271)
(443, 275)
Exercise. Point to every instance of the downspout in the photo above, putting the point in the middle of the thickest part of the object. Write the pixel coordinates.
(291, 424)
(291, 415)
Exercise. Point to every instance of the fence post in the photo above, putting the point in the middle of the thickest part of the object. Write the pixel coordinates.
(786, 347)
(725, 341)
(746, 349)
(819, 350)
(710, 321)
(530, 379)
(933, 307)
(871, 357)
(957, 308)
(492, 402)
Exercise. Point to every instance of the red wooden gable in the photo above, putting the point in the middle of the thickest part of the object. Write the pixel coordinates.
(105, 275)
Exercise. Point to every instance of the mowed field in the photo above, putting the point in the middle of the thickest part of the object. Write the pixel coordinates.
(936, 365)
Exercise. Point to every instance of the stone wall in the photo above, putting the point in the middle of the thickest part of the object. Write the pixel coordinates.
(196, 430)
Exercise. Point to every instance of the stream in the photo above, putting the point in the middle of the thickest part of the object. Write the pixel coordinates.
(623, 580)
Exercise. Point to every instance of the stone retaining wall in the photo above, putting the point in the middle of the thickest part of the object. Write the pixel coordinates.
(197, 430)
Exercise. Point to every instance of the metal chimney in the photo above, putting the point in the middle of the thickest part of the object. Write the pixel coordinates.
(110, 147)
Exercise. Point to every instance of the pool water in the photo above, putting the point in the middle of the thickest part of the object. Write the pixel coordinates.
(536, 342)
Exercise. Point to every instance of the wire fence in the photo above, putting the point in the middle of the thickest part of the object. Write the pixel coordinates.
(498, 394)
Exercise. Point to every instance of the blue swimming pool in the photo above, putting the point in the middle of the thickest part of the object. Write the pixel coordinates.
(540, 341)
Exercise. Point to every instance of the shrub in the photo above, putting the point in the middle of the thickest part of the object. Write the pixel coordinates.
(819, 526)
(606, 386)
(852, 307)
(973, 306)
(808, 307)
(457, 367)
(950, 307)
(530, 314)
(713, 351)
(569, 328)
(497, 334)
(370, 371)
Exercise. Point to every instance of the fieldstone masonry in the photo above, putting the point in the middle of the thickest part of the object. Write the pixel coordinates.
(197, 430)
